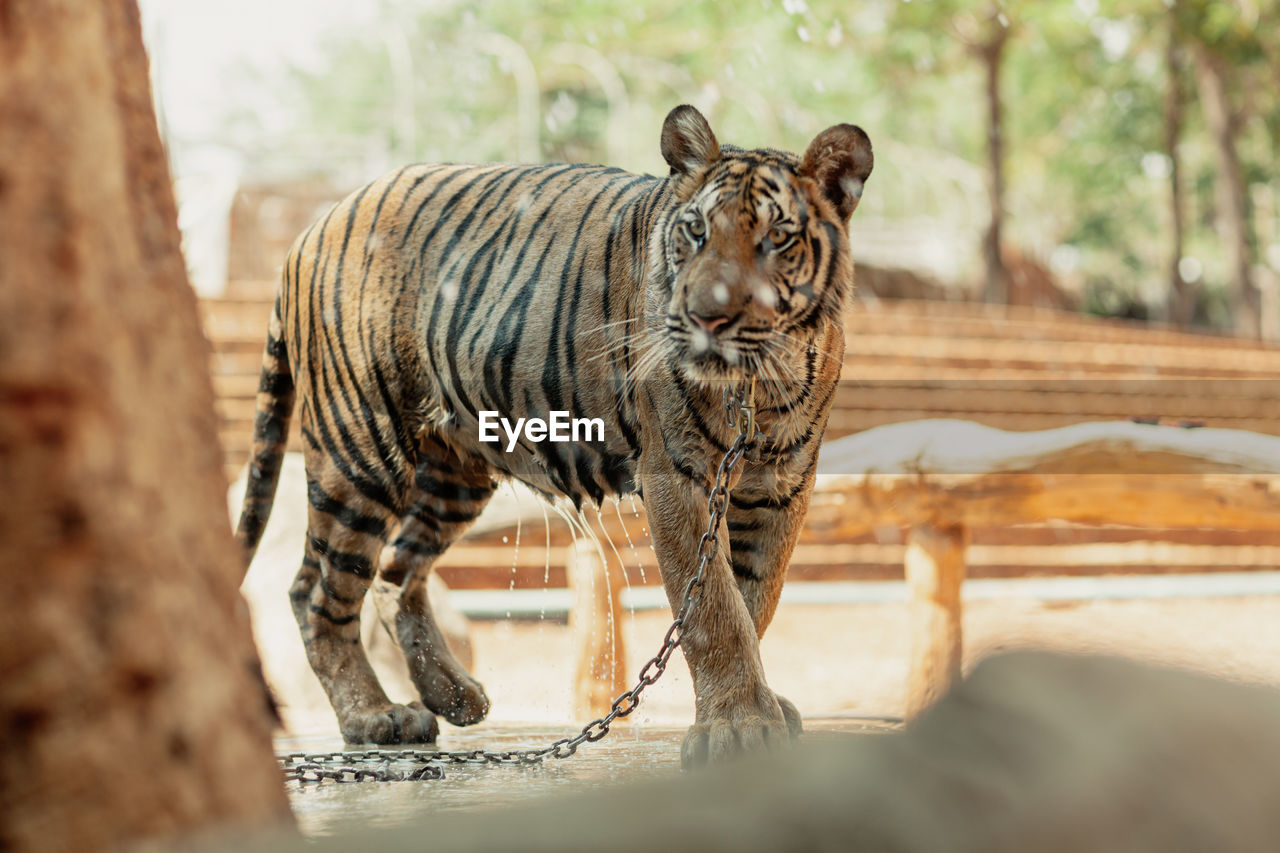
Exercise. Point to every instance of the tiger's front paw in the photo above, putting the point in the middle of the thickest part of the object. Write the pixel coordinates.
(741, 731)
(394, 724)
(462, 702)
(791, 715)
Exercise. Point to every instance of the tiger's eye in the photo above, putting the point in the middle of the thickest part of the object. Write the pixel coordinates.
(697, 227)
(777, 236)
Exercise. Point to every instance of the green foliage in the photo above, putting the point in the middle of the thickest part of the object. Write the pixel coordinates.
(1083, 82)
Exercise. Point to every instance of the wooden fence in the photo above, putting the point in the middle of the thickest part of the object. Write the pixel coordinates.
(1010, 368)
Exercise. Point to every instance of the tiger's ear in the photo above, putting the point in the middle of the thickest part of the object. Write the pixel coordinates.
(839, 160)
(687, 141)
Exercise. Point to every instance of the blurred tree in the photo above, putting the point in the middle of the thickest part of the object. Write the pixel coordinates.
(131, 707)
(1181, 303)
(1223, 41)
(990, 50)
(952, 26)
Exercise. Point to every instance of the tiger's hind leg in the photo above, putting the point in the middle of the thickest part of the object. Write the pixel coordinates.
(345, 533)
(450, 494)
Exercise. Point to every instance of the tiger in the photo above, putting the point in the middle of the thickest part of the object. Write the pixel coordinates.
(442, 292)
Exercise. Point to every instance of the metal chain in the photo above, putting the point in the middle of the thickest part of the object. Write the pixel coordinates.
(341, 766)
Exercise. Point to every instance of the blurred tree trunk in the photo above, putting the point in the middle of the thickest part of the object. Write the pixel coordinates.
(991, 52)
(1224, 123)
(1182, 293)
(131, 705)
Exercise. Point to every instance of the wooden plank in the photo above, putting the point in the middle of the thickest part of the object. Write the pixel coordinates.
(862, 349)
(1198, 402)
(960, 319)
(1170, 500)
(846, 422)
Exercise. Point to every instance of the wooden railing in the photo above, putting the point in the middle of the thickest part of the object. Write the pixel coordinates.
(942, 478)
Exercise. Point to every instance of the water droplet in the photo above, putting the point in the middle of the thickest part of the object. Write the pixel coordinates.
(835, 35)
(563, 110)
(765, 295)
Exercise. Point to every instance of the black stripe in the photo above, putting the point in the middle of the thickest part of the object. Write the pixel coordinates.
(317, 610)
(348, 564)
(778, 453)
(777, 502)
(693, 407)
(275, 384)
(634, 211)
(346, 516)
(419, 264)
(484, 343)
(806, 387)
(689, 473)
(251, 526)
(513, 324)
(563, 324)
(261, 485)
(370, 488)
(435, 191)
(586, 473)
(328, 589)
(368, 485)
(418, 547)
(423, 514)
(582, 457)
(268, 429)
(451, 491)
(404, 441)
(469, 294)
(370, 421)
(455, 516)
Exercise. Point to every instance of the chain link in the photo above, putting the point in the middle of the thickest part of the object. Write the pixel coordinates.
(341, 766)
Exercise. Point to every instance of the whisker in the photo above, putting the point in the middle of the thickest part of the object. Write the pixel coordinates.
(613, 324)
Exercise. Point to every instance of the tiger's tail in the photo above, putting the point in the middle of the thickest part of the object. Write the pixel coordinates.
(270, 436)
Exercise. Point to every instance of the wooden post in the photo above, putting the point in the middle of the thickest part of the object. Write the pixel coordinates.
(935, 572)
(595, 629)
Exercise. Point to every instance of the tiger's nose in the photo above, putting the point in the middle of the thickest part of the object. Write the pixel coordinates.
(710, 324)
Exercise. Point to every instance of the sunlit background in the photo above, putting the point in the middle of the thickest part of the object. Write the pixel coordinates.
(1099, 103)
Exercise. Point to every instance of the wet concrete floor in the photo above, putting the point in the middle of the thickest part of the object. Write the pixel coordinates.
(629, 753)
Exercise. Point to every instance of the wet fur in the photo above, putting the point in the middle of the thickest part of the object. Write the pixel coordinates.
(440, 291)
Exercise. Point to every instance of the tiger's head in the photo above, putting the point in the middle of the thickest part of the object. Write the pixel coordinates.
(752, 259)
